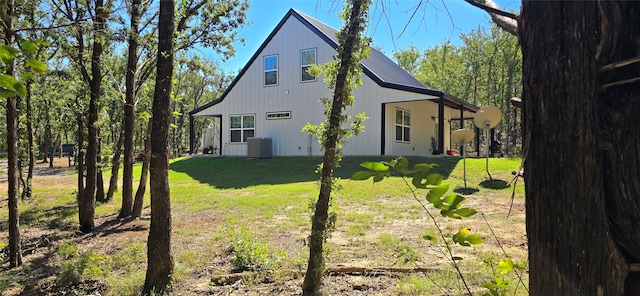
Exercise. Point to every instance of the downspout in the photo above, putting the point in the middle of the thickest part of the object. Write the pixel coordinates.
(441, 124)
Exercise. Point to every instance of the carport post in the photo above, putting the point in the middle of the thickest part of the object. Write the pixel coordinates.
(461, 126)
(477, 141)
(192, 134)
(441, 124)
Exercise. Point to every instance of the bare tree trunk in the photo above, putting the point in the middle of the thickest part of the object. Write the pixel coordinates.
(349, 44)
(142, 186)
(115, 167)
(80, 150)
(100, 196)
(30, 148)
(129, 112)
(15, 250)
(86, 209)
(583, 193)
(159, 259)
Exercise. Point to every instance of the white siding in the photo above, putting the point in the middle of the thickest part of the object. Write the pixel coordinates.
(250, 96)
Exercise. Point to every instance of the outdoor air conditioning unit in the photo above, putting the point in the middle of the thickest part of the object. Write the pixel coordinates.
(259, 148)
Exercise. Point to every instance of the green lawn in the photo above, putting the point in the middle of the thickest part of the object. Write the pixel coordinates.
(227, 207)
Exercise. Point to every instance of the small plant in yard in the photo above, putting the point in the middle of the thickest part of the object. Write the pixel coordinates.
(249, 254)
(405, 255)
(449, 206)
(81, 272)
(3, 250)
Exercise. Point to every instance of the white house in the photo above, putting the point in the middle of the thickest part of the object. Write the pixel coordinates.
(274, 97)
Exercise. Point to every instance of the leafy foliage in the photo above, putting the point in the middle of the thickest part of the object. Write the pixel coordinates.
(9, 85)
(249, 254)
(448, 204)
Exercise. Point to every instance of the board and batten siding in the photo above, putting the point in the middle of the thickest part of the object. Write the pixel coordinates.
(250, 96)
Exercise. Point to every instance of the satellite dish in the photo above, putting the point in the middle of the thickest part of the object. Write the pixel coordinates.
(487, 118)
(462, 136)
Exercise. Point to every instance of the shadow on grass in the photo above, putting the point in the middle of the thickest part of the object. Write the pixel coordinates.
(239, 172)
(114, 225)
(55, 217)
(494, 184)
(466, 190)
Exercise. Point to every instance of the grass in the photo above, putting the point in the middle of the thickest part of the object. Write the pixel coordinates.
(378, 224)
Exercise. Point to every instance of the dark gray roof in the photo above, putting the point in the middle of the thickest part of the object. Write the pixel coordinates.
(377, 66)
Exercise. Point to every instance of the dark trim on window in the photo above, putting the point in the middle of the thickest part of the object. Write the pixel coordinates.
(278, 115)
(315, 61)
(276, 70)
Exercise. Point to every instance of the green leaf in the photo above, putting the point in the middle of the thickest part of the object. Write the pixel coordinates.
(435, 193)
(8, 53)
(28, 46)
(375, 166)
(36, 66)
(423, 167)
(362, 175)
(378, 178)
(430, 238)
(498, 283)
(459, 213)
(26, 76)
(7, 82)
(434, 179)
(402, 165)
(6, 93)
(21, 90)
(419, 179)
(505, 266)
(452, 201)
(456, 258)
(464, 237)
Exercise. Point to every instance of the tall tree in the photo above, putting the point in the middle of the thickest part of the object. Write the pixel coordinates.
(160, 261)
(349, 53)
(142, 185)
(86, 203)
(77, 12)
(15, 252)
(129, 111)
(580, 73)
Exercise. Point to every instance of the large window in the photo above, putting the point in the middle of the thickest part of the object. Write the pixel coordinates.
(242, 127)
(403, 125)
(307, 58)
(271, 70)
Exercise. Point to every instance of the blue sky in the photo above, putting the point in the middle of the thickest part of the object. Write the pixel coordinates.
(435, 22)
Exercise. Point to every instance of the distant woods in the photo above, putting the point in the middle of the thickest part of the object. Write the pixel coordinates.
(486, 69)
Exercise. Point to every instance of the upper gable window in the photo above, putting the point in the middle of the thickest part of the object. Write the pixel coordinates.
(307, 58)
(271, 70)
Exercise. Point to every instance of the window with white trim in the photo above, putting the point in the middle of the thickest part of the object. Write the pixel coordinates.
(271, 70)
(242, 127)
(403, 125)
(307, 58)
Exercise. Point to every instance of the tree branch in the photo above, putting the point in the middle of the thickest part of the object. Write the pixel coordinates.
(505, 20)
(34, 29)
